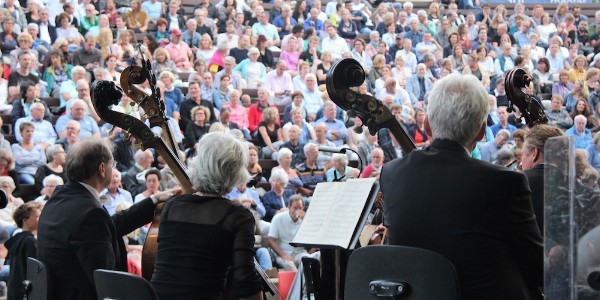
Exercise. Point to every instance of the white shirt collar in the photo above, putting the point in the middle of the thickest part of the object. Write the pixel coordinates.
(93, 191)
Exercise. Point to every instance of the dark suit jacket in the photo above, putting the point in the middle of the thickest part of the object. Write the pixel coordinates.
(51, 31)
(130, 182)
(476, 214)
(77, 236)
(535, 176)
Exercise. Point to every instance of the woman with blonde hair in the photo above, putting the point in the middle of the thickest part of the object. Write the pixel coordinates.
(400, 71)
(162, 61)
(580, 92)
(123, 49)
(269, 132)
(323, 67)
(579, 70)
(562, 9)
(105, 41)
(207, 48)
(375, 73)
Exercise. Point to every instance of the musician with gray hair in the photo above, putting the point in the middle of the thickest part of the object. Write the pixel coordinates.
(443, 200)
(76, 234)
(203, 234)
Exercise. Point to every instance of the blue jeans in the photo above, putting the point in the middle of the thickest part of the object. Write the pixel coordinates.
(25, 178)
(264, 258)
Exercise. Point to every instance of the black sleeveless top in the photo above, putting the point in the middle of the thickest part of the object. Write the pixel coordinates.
(202, 239)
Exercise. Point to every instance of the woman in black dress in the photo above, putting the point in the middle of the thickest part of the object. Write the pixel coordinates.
(206, 242)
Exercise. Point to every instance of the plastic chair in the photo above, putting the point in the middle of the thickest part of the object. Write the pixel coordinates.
(122, 286)
(397, 272)
(35, 287)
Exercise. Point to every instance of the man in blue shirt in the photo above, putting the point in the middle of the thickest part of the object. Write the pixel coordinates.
(44, 133)
(582, 135)
(336, 129)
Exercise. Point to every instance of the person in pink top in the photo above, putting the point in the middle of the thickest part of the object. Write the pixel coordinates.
(238, 115)
(180, 52)
(291, 55)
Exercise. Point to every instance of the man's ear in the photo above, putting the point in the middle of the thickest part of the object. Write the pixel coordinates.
(481, 132)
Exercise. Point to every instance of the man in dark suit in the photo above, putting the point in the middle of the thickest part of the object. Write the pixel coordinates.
(477, 215)
(532, 163)
(76, 234)
(47, 31)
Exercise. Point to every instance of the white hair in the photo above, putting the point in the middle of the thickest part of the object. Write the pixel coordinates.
(53, 179)
(78, 69)
(283, 152)
(51, 150)
(310, 146)
(342, 158)
(279, 175)
(458, 106)
(222, 165)
(407, 4)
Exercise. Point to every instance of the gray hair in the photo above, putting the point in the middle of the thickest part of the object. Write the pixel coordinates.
(503, 132)
(9, 180)
(78, 69)
(36, 104)
(279, 175)
(310, 146)
(222, 165)
(283, 152)
(51, 150)
(168, 74)
(85, 157)
(139, 155)
(53, 178)
(342, 158)
(458, 107)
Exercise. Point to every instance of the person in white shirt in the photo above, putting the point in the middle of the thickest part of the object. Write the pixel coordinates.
(312, 97)
(334, 44)
(410, 58)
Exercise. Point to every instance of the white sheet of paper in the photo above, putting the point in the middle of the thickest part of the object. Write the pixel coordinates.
(333, 213)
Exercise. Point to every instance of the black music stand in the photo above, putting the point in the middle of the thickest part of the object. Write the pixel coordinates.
(363, 200)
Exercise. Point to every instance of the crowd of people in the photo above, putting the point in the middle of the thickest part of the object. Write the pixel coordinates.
(234, 66)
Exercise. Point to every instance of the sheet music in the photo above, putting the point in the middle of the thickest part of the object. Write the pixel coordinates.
(334, 212)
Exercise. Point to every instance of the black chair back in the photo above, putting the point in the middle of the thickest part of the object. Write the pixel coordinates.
(122, 286)
(397, 272)
(36, 286)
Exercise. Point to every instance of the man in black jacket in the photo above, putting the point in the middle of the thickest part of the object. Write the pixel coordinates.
(477, 215)
(76, 235)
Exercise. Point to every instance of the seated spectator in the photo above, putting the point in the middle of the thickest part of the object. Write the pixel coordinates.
(221, 91)
(336, 129)
(72, 135)
(313, 100)
(25, 42)
(123, 49)
(503, 122)
(239, 114)
(190, 36)
(393, 89)
(366, 146)
(180, 53)
(195, 99)
(374, 168)
(279, 83)
(307, 132)
(44, 134)
(163, 36)
(582, 135)
(49, 186)
(88, 126)
(254, 168)
(137, 19)
(417, 130)
(235, 79)
(340, 171)
(578, 92)
(68, 88)
(240, 52)
(173, 94)
(57, 73)
(8, 38)
(311, 171)
(294, 145)
(21, 76)
(594, 152)
(291, 56)
(276, 200)
(489, 150)
(229, 36)
(64, 29)
(5, 108)
(88, 56)
(143, 161)
(252, 70)
(265, 54)
(55, 156)
(162, 62)
(283, 228)
(28, 156)
(7, 184)
(216, 62)
(152, 177)
(255, 111)
(198, 127)
(582, 108)
(248, 198)
(269, 132)
(21, 246)
(297, 102)
(418, 85)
